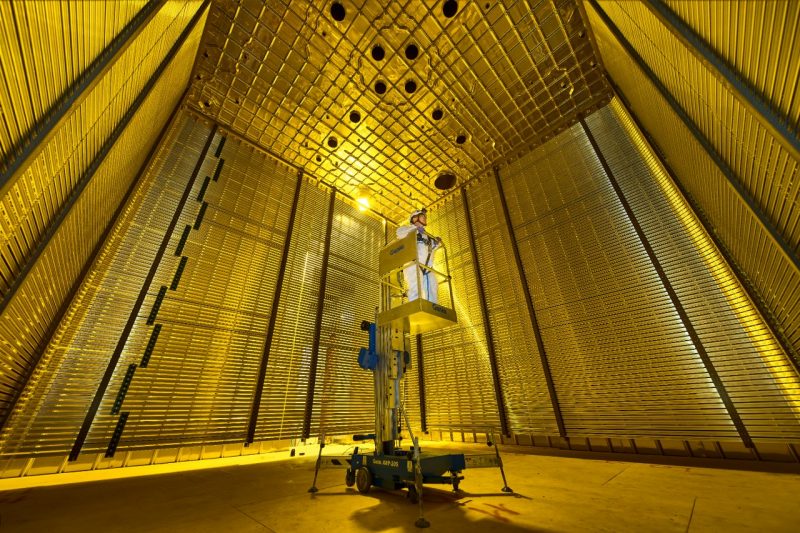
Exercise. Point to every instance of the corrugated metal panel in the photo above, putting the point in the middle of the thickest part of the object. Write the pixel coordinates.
(756, 158)
(622, 361)
(49, 414)
(30, 311)
(760, 40)
(34, 196)
(344, 393)
(524, 387)
(198, 385)
(283, 402)
(44, 49)
(458, 377)
(764, 167)
(759, 377)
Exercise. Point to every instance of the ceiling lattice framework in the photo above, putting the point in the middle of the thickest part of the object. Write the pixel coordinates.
(486, 83)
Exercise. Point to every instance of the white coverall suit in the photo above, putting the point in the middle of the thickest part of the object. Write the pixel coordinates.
(426, 248)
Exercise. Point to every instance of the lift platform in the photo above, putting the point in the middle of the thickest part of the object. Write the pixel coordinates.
(388, 358)
(420, 315)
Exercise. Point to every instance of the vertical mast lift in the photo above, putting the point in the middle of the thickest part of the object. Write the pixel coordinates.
(388, 357)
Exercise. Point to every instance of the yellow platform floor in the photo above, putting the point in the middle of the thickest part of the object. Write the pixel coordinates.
(559, 492)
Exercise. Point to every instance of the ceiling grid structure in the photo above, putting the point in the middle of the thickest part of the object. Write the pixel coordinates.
(390, 97)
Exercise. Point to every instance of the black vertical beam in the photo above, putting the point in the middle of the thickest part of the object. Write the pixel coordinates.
(487, 329)
(701, 351)
(423, 414)
(137, 306)
(276, 300)
(312, 373)
(537, 332)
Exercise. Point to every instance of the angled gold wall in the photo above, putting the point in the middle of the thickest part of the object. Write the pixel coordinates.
(624, 363)
(59, 201)
(732, 143)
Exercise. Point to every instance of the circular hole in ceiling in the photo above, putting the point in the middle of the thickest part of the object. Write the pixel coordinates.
(444, 181)
(337, 11)
(319, 159)
(355, 116)
(461, 139)
(437, 114)
(378, 52)
(412, 51)
(380, 87)
(333, 142)
(450, 8)
(410, 86)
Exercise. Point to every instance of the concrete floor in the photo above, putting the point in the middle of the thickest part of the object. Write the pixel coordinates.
(552, 493)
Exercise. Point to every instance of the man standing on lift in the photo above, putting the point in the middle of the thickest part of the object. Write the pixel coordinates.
(426, 248)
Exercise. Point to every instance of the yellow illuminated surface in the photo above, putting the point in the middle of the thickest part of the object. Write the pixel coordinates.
(761, 338)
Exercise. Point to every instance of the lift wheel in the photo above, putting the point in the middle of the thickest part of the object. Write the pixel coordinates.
(363, 479)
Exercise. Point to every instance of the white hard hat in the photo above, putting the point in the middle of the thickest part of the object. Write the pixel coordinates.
(417, 213)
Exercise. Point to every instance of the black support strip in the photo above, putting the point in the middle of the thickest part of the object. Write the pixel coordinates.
(84, 180)
(151, 345)
(123, 389)
(203, 188)
(182, 242)
(312, 373)
(178, 273)
(741, 276)
(200, 215)
(156, 305)
(65, 304)
(423, 414)
(276, 299)
(75, 94)
(123, 339)
(487, 328)
(777, 126)
(734, 180)
(537, 332)
(112, 446)
(687, 323)
(218, 151)
(218, 169)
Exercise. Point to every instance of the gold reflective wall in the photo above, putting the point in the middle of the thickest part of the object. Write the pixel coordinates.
(59, 201)
(206, 292)
(731, 159)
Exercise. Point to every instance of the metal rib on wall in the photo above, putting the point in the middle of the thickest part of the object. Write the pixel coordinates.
(36, 192)
(48, 416)
(524, 386)
(622, 363)
(101, 179)
(757, 375)
(198, 384)
(280, 414)
(51, 54)
(758, 40)
(745, 153)
(458, 377)
(344, 393)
